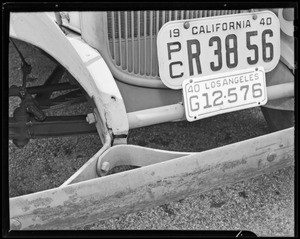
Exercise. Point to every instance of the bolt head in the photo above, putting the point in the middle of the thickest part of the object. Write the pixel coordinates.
(105, 166)
(90, 118)
(271, 157)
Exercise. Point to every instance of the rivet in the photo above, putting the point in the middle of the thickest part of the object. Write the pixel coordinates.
(254, 16)
(186, 25)
(271, 157)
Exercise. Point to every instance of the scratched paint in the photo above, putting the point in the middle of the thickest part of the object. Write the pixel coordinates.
(233, 164)
(137, 189)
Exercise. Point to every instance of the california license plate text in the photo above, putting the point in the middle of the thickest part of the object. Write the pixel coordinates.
(201, 47)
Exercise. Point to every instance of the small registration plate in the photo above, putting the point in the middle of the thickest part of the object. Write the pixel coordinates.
(223, 93)
(205, 46)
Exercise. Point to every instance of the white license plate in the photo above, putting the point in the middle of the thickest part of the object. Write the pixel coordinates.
(222, 93)
(199, 47)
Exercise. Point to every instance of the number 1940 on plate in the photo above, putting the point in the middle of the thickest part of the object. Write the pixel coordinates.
(223, 93)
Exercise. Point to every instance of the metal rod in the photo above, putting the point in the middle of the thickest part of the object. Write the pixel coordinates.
(155, 116)
(280, 91)
(52, 126)
(54, 78)
(176, 112)
(14, 90)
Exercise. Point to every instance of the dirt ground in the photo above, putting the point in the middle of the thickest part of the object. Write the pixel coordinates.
(263, 205)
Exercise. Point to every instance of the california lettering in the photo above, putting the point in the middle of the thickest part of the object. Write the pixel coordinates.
(217, 27)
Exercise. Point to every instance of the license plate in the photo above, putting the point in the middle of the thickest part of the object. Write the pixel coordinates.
(222, 93)
(200, 47)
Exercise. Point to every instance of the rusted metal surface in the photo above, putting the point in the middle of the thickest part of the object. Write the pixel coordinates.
(126, 192)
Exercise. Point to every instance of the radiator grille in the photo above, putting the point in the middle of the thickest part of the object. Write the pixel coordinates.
(132, 37)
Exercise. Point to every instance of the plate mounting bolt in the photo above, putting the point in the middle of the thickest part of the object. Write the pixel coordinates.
(254, 16)
(186, 25)
(90, 118)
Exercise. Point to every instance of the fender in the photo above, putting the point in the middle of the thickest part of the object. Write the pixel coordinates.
(84, 63)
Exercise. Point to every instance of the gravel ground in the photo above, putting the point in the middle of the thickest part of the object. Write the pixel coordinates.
(263, 205)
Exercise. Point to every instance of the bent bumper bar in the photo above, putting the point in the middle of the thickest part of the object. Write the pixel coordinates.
(176, 176)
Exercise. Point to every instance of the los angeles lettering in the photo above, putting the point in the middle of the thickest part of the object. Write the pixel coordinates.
(231, 81)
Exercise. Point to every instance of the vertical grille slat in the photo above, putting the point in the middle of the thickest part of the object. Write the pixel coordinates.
(126, 40)
(139, 40)
(145, 43)
(132, 41)
(120, 45)
(113, 36)
(157, 30)
(163, 18)
(132, 37)
(151, 33)
(157, 22)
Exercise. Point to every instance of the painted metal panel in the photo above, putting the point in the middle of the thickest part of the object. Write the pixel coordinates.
(145, 187)
(83, 62)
